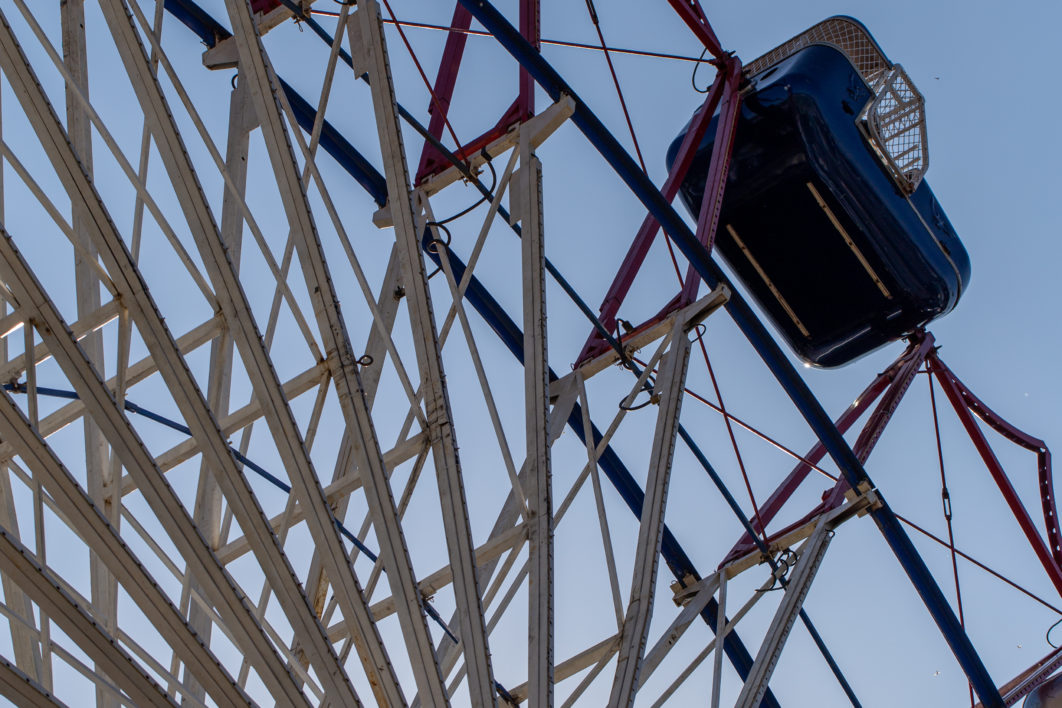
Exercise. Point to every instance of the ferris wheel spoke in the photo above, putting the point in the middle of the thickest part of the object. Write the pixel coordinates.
(376, 349)
(366, 38)
(255, 70)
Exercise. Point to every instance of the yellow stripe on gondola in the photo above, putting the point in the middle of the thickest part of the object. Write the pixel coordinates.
(770, 285)
(849, 241)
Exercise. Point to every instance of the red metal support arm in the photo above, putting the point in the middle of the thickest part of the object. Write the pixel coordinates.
(431, 160)
(897, 379)
(966, 405)
(718, 170)
(691, 13)
(639, 248)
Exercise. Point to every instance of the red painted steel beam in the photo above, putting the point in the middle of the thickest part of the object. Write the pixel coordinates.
(897, 379)
(1022, 439)
(965, 403)
(639, 248)
(531, 28)
(718, 169)
(445, 82)
(691, 13)
(431, 160)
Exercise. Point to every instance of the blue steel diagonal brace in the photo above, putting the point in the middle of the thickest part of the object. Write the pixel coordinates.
(754, 330)
(211, 32)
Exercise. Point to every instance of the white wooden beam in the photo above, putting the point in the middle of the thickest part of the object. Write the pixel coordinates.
(367, 41)
(257, 73)
(208, 498)
(669, 387)
(705, 589)
(78, 624)
(376, 350)
(87, 289)
(102, 537)
(527, 191)
(796, 590)
(22, 690)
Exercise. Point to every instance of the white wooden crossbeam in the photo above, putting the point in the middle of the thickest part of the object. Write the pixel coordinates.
(101, 536)
(77, 624)
(101, 485)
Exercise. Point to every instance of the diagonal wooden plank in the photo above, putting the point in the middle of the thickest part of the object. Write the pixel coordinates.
(21, 690)
(103, 539)
(257, 73)
(259, 368)
(669, 387)
(78, 624)
(367, 40)
(376, 349)
(796, 590)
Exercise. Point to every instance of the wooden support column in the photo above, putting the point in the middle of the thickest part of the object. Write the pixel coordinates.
(669, 387)
(367, 42)
(526, 191)
(208, 498)
(86, 284)
(795, 592)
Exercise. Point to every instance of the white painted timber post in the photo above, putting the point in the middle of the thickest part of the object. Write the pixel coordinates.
(669, 387)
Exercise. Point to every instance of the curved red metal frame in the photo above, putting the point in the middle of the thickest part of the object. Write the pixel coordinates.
(894, 382)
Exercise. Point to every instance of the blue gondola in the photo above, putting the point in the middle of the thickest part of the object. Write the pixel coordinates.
(825, 218)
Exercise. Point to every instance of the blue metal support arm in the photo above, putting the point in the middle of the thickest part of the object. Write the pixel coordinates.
(757, 335)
